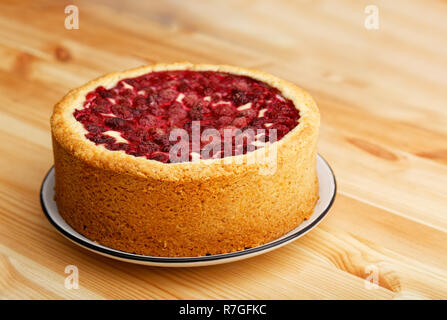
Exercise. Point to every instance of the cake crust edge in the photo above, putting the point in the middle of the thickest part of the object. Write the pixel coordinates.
(184, 209)
(70, 133)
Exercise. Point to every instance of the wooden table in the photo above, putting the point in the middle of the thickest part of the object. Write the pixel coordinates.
(383, 99)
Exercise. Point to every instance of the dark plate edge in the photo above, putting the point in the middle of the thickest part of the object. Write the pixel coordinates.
(131, 256)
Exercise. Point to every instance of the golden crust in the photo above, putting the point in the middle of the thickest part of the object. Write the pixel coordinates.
(70, 133)
(184, 209)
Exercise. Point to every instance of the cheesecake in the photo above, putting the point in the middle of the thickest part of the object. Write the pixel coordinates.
(185, 160)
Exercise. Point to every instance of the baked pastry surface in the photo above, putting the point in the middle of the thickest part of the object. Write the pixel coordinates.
(134, 202)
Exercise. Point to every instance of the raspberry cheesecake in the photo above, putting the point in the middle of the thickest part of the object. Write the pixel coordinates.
(182, 160)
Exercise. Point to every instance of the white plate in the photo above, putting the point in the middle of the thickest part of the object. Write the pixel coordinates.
(327, 194)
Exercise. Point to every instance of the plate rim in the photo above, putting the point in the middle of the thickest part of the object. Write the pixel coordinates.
(127, 256)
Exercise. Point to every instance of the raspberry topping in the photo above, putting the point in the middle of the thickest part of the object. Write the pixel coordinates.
(148, 115)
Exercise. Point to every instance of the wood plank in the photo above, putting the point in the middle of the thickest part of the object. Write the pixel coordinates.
(384, 131)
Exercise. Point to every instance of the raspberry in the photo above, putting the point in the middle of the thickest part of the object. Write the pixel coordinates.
(99, 138)
(157, 132)
(149, 121)
(259, 122)
(196, 113)
(163, 142)
(216, 96)
(160, 156)
(285, 121)
(249, 113)
(123, 102)
(126, 93)
(101, 102)
(167, 96)
(144, 83)
(240, 122)
(224, 110)
(100, 109)
(183, 87)
(242, 85)
(239, 97)
(122, 111)
(148, 147)
(88, 118)
(200, 109)
(281, 130)
(135, 136)
(114, 123)
(190, 100)
(149, 109)
(227, 131)
(117, 146)
(158, 110)
(141, 103)
(224, 120)
(176, 111)
(207, 91)
(93, 128)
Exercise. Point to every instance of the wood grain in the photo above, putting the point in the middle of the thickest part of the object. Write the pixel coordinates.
(383, 99)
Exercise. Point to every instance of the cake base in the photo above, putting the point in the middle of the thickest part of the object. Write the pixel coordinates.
(192, 218)
(186, 209)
